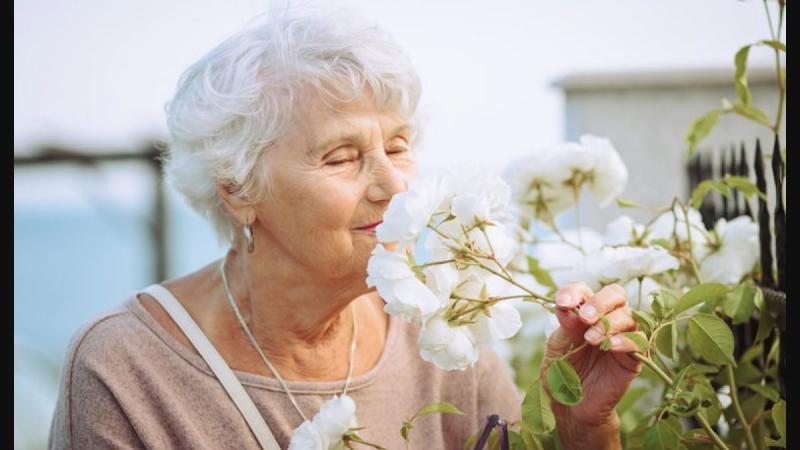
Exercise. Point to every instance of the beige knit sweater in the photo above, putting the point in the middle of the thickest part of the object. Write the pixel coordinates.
(127, 383)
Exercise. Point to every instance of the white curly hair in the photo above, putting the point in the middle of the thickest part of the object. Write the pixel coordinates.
(237, 99)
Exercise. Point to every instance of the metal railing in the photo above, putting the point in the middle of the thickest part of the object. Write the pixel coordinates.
(772, 230)
(150, 156)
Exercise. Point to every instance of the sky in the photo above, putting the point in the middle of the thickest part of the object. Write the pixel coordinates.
(96, 74)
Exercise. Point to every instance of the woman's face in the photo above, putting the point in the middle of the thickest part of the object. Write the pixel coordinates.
(330, 181)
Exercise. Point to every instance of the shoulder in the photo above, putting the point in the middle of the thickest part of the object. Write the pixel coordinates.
(106, 338)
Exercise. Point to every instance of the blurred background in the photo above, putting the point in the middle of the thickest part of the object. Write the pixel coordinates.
(93, 223)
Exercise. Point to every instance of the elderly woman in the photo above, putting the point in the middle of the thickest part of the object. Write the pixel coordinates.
(291, 137)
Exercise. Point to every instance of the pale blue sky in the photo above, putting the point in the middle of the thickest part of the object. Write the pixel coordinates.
(97, 73)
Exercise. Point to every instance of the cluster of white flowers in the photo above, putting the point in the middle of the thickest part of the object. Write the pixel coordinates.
(461, 219)
(326, 430)
(451, 296)
(549, 180)
(724, 255)
(621, 265)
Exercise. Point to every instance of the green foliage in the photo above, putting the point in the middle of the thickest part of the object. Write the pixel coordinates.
(563, 382)
(710, 338)
(541, 275)
(537, 417)
(433, 408)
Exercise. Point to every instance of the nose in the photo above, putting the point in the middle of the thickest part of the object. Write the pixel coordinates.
(385, 180)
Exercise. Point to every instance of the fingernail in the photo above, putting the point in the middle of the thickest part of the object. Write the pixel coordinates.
(593, 335)
(563, 299)
(588, 312)
(616, 341)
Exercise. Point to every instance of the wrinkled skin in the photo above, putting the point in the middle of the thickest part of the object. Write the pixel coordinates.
(605, 375)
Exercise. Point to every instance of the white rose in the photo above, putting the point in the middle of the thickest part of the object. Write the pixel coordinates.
(620, 264)
(503, 320)
(623, 231)
(662, 228)
(559, 258)
(326, 430)
(609, 174)
(336, 416)
(396, 283)
(308, 437)
(449, 348)
(409, 212)
(537, 182)
(736, 251)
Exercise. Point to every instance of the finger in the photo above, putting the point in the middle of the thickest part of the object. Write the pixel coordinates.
(572, 295)
(621, 343)
(602, 302)
(571, 322)
(568, 298)
(619, 320)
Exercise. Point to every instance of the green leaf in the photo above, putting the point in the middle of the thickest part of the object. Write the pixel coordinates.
(542, 276)
(702, 189)
(707, 395)
(629, 398)
(744, 185)
(563, 382)
(606, 324)
(765, 320)
(531, 442)
(780, 46)
(662, 437)
(766, 391)
(740, 61)
(667, 341)
(698, 439)
(440, 407)
(710, 338)
(752, 113)
(405, 429)
(537, 417)
(624, 203)
(676, 382)
(664, 302)
(515, 441)
(746, 373)
(699, 129)
(641, 342)
(779, 418)
(605, 345)
(699, 294)
(739, 304)
(644, 320)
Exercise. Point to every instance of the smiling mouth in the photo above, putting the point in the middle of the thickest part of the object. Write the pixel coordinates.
(370, 228)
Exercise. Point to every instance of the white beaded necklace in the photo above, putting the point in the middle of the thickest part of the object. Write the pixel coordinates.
(253, 341)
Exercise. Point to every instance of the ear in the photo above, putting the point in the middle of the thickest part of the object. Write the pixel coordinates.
(239, 208)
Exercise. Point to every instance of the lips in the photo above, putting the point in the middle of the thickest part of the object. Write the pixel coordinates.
(370, 228)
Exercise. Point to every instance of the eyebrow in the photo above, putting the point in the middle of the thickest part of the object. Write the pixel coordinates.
(352, 136)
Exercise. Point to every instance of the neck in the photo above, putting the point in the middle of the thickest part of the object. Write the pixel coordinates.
(307, 329)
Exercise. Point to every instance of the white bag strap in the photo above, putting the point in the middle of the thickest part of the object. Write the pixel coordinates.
(218, 366)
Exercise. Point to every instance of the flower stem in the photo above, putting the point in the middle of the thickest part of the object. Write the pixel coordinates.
(576, 192)
(540, 298)
(700, 417)
(751, 443)
(689, 238)
(639, 304)
(436, 263)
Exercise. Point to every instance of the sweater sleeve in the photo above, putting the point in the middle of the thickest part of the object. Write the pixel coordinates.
(87, 415)
(497, 393)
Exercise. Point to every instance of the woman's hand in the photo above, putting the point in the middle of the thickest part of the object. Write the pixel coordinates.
(605, 375)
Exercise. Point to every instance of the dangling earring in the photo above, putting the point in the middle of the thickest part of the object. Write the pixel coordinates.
(248, 238)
